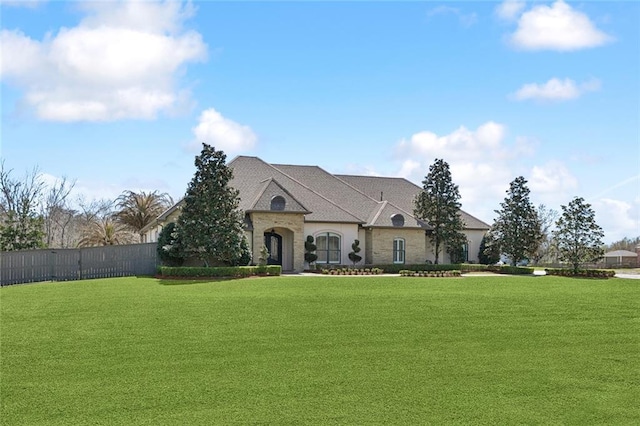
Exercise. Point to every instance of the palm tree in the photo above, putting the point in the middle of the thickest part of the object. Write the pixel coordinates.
(105, 232)
(137, 210)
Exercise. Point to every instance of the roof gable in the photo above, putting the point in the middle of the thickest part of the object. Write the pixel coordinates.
(271, 189)
(400, 192)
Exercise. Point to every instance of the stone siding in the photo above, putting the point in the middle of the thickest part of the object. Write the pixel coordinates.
(293, 243)
(381, 245)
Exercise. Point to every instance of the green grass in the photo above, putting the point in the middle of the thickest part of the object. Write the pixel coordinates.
(321, 350)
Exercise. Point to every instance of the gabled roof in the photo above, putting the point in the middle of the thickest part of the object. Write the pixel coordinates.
(324, 197)
(347, 196)
(270, 189)
(250, 173)
(400, 192)
(621, 253)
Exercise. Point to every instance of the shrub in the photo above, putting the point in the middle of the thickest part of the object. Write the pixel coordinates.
(429, 274)
(583, 273)
(219, 272)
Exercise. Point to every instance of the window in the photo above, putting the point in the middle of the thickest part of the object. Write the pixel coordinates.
(397, 220)
(278, 203)
(398, 250)
(328, 248)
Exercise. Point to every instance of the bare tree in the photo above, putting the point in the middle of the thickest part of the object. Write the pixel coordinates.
(547, 218)
(21, 227)
(56, 212)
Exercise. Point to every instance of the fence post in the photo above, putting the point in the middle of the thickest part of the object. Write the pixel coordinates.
(52, 265)
(79, 264)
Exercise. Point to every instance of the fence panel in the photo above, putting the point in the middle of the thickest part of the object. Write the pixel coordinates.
(76, 264)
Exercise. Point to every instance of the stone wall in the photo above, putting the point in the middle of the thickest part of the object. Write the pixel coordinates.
(293, 243)
(381, 245)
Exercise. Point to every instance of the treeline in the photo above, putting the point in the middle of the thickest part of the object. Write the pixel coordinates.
(36, 214)
(628, 244)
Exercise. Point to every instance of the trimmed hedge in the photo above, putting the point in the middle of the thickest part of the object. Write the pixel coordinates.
(583, 273)
(352, 271)
(429, 274)
(393, 268)
(219, 272)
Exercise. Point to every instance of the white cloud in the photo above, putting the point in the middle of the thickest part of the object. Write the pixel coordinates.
(553, 177)
(480, 160)
(556, 27)
(121, 61)
(465, 19)
(222, 133)
(618, 219)
(509, 10)
(555, 90)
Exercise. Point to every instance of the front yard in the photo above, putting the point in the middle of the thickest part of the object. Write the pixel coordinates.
(322, 349)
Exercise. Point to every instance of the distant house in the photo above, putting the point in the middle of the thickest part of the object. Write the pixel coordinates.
(621, 258)
(283, 204)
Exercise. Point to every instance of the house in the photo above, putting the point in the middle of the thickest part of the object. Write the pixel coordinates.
(283, 204)
(623, 258)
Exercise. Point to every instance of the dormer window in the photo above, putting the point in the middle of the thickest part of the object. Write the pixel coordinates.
(278, 203)
(397, 220)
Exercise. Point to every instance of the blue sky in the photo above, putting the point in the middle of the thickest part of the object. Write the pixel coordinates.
(119, 95)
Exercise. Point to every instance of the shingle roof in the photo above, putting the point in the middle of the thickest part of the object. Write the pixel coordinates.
(400, 192)
(324, 197)
(250, 173)
(347, 196)
(270, 189)
(620, 253)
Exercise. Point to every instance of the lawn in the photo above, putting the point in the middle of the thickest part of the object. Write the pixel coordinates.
(321, 350)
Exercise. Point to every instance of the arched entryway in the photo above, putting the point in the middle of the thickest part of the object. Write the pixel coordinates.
(273, 242)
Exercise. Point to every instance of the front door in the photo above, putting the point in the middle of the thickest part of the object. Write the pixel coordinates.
(273, 242)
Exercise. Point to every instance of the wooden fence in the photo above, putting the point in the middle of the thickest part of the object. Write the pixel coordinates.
(77, 264)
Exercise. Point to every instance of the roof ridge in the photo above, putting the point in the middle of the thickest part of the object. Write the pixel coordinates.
(315, 192)
(265, 185)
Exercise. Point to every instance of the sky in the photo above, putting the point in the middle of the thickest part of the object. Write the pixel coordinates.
(120, 95)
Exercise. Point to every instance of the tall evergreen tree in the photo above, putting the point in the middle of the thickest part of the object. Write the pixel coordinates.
(438, 204)
(489, 251)
(578, 237)
(517, 227)
(210, 225)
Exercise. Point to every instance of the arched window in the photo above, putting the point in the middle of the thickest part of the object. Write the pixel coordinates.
(278, 203)
(397, 220)
(328, 248)
(398, 250)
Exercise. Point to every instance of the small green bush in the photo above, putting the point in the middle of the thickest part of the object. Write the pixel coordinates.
(222, 271)
(430, 274)
(583, 273)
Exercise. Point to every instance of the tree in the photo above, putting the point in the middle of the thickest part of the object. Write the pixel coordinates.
(517, 227)
(456, 248)
(354, 256)
(578, 237)
(210, 225)
(139, 209)
(105, 231)
(169, 247)
(21, 227)
(309, 250)
(626, 243)
(489, 251)
(56, 213)
(438, 205)
(547, 218)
